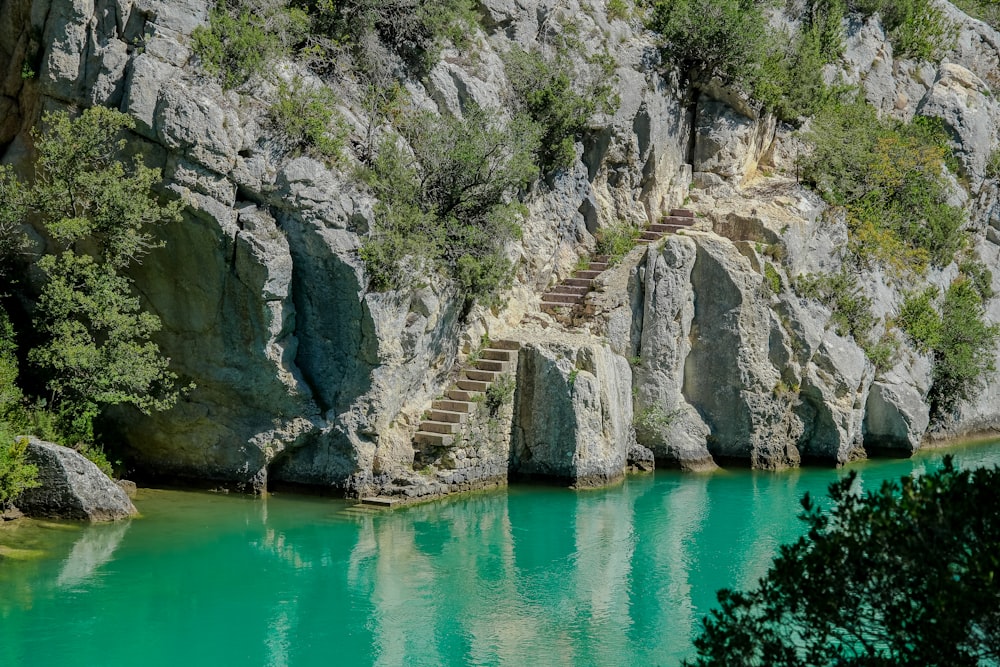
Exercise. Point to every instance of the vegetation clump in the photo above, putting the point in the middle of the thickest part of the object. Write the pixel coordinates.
(952, 329)
(890, 179)
(449, 205)
(92, 342)
(616, 241)
(545, 90)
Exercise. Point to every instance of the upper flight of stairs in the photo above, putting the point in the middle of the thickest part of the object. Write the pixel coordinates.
(448, 415)
(571, 293)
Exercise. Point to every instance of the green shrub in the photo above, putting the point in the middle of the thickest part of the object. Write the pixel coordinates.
(307, 119)
(561, 103)
(619, 10)
(239, 43)
(888, 177)
(500, 393)
(15, 474)
(616, 241)
(772, 278)
(916, 28)
(712, 38)
(449, 205)
(958, 338)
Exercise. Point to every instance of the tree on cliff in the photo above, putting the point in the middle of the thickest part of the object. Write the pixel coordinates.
(905, 575)
(94, 341)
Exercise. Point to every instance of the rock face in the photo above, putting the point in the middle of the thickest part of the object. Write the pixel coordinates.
(573, 412)
(71, 487)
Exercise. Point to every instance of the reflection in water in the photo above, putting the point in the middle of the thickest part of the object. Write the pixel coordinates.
(535, 576)
(95, 547)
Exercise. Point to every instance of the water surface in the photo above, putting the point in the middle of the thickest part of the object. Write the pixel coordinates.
(526, 576)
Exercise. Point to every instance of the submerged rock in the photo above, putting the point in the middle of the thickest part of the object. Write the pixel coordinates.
(71, 487)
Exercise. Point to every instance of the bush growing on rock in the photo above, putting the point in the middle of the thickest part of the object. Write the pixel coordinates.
(305, 117)
(890, 178)
(16, 475)
(959, 340)
(545, 90)
(450, 203)
(93, 342)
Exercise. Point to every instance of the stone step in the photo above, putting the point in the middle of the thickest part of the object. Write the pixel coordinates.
(600, 258)
(482, 376)
(560, 297)
(473, 385)
(667, 229)
(598, 266)
(498, 355)
(379, 501)
(578, 282)
(447, 416)
(506, 345)
(453, 406)
(563, 288)
(463, 395)
(439, 427)
(650, 236)
(677, 220)
(428, 438)
(682, 212)
(491, 365)
(586, 274)
(558, 308)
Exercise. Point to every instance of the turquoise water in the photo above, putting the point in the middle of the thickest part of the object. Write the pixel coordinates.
(527, 576)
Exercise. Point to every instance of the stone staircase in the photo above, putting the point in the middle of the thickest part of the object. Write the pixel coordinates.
(571, 294)
(448, 415)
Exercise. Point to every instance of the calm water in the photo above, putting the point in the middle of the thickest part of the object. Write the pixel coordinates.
(529, 576)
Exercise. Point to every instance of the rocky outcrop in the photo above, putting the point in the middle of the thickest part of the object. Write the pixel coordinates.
(572, 411)
(71, 487)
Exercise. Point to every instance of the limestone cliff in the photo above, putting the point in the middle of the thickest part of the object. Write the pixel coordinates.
(305, 375)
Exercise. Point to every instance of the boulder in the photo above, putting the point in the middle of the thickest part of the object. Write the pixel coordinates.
(71, 487)
(572, 411)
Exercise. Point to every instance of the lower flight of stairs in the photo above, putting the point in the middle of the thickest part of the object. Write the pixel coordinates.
(449, 415)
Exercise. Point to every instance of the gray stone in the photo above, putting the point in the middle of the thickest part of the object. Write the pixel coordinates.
(71, 487)
(573, 412)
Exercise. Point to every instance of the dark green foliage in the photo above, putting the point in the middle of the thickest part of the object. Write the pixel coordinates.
(901, 575)
(13, 211)
(960, 342)
(245, 37)
(731, 40)
(415, 30)
(92, 342)
(15, 474)
(965, 348)
(712, 38)
(560, 103)
(450, 204)
(615, 241)
(888, 177)
(306, 118)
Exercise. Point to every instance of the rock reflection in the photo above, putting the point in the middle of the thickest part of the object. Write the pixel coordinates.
(94, 548)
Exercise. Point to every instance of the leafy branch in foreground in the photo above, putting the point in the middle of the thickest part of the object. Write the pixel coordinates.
(904, 575)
